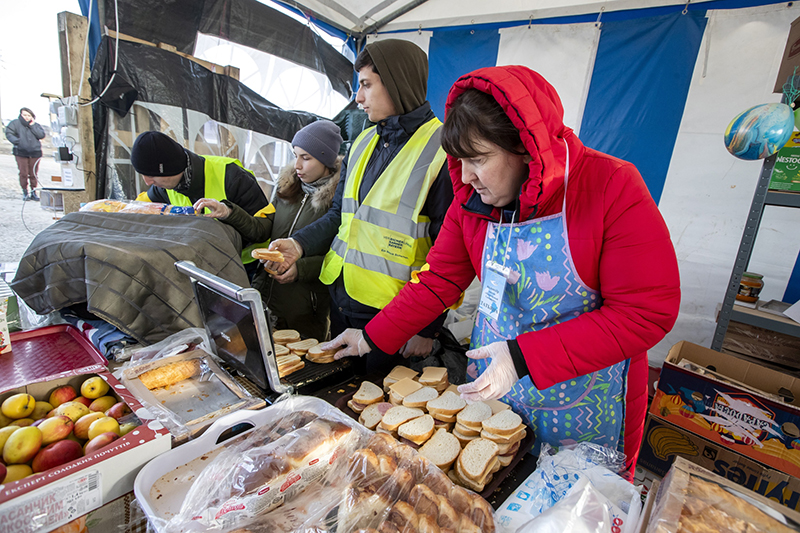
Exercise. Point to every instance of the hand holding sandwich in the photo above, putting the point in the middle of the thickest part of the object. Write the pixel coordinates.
(291, 250)
(354, 342)
(497, 380)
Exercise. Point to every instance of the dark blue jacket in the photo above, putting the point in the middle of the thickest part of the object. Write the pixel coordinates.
(316, 238)
(26, 138)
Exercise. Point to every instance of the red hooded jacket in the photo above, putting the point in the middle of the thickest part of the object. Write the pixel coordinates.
(618, 239)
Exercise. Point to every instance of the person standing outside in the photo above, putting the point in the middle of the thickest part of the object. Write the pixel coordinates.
(26, 136)
(389, 207)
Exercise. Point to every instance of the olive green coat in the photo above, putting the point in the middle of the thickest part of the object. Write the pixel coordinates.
(305, 304)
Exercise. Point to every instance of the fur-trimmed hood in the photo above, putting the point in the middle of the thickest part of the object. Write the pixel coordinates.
(322, 198)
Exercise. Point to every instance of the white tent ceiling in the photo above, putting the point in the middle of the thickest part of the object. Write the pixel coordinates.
(358, 17)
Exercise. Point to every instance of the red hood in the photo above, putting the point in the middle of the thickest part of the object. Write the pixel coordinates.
(535, 109)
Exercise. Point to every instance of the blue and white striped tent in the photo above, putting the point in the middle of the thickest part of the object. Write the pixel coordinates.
(655, 86)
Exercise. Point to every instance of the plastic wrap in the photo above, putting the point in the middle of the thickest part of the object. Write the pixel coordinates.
(691, 498)
(365, 480)
(188, 406)
(764, 344)
(182, 341)
(557, 473)
(583, 509)
(141, 208)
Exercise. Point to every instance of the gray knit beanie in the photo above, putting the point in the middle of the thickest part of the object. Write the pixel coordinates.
(322, 139)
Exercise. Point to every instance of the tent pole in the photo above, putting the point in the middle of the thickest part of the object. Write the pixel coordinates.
(386, 20)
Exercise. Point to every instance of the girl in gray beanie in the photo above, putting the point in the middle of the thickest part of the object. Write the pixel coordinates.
(305, 192)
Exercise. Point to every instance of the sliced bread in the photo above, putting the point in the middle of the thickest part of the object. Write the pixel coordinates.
(433, 375)
(503, 423)
(281, 350)
(505, 439)
(463, 439)
(442, 449)
(473, 415)
(396, 416)
(285, 336)
(477, 459)
(448, 404)
(420, 397)
(466, 431)
(372, 415)
(418, 430)
(368, 393)
(497, 406)
(399, 372)
(448, 419)
(301, 347)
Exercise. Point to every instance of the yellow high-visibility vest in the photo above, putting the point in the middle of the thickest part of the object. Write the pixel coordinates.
(382, 240)
(214, 169)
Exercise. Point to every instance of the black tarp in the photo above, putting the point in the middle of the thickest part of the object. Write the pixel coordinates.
(245, 22)
(167, 78)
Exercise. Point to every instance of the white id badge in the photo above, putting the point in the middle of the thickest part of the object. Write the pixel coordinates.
(494, 285)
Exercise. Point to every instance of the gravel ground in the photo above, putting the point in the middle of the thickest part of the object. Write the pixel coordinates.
(21, 220)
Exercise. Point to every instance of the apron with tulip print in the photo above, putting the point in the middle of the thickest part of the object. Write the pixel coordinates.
(544, 290)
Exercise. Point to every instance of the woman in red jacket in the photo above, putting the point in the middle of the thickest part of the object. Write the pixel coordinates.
(578, 272)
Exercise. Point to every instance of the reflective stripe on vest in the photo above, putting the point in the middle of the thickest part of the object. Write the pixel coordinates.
(214, 188)
(382, 240)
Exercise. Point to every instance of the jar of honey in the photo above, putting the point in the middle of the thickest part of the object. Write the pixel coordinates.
(750, 287)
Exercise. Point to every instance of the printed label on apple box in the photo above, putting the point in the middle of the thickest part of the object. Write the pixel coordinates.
(52, 506)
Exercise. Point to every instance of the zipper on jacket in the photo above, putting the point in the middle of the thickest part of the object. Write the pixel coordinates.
(297, 216)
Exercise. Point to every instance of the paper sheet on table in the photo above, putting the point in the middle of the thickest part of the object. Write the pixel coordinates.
(793, 312)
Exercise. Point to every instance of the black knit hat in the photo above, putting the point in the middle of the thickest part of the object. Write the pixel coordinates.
(322, 139)
(157, 154)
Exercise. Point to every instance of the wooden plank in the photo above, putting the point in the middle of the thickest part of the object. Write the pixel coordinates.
(73, 32)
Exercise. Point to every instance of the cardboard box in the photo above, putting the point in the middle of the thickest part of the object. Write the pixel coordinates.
(663, 442)
(786, 173)
(748, 410)
(770, 346)
(791, 57)
(47, 500)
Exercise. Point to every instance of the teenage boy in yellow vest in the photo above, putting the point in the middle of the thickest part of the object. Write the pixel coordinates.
(177, 176)
(389, 208)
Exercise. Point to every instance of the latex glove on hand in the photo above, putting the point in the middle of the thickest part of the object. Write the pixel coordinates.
(497, 380)
(354, 342)
(417, 347)
(291, 250)
(216, 209)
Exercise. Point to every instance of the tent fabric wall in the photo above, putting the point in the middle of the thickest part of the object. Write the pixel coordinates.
(675, 81)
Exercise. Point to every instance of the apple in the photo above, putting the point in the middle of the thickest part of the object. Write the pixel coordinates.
(55, 429)
(74, 410)
(65, 393)
(81, 429)
(56, 454)
(3, 471)
(17, 472)
(40, 410)
(5, 421)
(103, 425)
(126, 428)
(22, 445)
(22, 422)
(103, 403)
(18, 406)
(94, 387)
(82, 399)
(5, 433)
(100, 441)
(118, 410)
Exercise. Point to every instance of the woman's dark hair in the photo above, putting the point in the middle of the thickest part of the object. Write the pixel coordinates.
(475, 115)
(28, 110)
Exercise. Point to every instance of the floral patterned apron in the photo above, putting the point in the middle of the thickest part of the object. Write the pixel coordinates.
(549, 291)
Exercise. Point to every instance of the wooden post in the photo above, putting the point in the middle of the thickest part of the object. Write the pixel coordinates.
(72, 35)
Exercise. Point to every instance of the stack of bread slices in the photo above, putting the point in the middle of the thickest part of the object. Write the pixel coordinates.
(398, 373)
(435, 377)
(287, 343)
(442, 426)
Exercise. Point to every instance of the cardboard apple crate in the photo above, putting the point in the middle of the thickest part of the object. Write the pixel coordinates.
(734, 403)
(44, 501)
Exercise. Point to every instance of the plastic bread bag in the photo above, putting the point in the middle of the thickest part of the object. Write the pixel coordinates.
(691, 498)
(182, 341)
(557, 472)
(186, 392)
(303, 446)
(133, 206)
(583, 509)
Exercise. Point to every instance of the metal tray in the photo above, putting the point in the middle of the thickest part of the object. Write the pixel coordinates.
(525, 446)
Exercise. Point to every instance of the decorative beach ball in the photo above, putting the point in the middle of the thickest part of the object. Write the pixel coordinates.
(760, 131)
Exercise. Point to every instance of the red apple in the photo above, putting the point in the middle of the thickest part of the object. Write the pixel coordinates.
(118, 410)
(82, 399)
(99, 442)
(56, 454)
(65, 393)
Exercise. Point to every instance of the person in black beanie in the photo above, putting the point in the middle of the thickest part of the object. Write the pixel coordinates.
(297, 298)
(390, 205)
(177, 176)
(26, 136)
